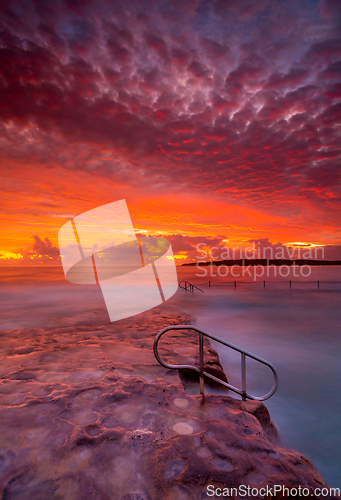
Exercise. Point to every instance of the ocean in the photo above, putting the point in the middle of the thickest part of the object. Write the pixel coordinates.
(297, 329)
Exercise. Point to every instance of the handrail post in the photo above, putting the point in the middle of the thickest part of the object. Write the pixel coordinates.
(201, 356)
(188, 287)
(201, 371)
(243, 376)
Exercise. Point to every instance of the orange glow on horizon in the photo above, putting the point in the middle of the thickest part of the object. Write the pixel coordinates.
(56, 195)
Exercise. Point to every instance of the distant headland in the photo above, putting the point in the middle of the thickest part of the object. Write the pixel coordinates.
(266, 262)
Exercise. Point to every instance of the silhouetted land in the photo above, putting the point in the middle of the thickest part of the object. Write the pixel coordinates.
(266, 262)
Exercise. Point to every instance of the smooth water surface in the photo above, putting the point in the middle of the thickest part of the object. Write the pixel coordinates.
(297, 329)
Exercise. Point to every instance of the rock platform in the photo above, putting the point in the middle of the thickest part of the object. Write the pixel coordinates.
(86, 412)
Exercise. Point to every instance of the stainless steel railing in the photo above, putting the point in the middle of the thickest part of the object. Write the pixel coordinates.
(242, 392)
(189, 287)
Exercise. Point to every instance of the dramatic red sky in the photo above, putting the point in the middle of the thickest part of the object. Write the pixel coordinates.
(217, 120)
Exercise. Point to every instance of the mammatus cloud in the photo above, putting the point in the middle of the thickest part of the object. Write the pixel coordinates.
(240, 100)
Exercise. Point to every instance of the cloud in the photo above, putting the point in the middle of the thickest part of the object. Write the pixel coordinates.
(40, 252)
(193, 249)
(244, 9)
(237, 99)
(188, 249)
(44, 248)
(330, 9)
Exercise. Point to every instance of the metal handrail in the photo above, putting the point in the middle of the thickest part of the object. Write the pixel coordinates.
(242, 392)
(190, 286)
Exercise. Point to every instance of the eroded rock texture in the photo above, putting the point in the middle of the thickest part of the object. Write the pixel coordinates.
(86, 412)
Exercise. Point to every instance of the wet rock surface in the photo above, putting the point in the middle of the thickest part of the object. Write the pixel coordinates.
(86, 412)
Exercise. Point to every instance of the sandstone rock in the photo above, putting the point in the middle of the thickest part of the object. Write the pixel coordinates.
(93, 416)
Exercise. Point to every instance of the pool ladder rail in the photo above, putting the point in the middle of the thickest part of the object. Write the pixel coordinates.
(202, 333)
(189, 287)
